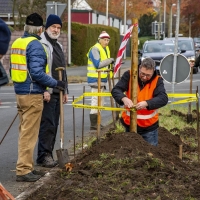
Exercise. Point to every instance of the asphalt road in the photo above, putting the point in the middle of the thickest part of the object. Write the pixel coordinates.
(8, 149)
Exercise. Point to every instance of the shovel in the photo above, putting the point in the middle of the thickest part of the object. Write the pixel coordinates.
(62, 154)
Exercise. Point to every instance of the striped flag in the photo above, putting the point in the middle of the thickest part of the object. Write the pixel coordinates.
(122, 49)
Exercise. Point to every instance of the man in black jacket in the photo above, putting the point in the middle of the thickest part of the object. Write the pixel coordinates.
(151, 96)
(51, 112)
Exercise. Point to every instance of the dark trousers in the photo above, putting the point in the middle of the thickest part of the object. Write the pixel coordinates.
(48, 127)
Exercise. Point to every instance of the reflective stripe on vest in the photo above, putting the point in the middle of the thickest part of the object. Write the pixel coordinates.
(91, 69)
(144, 116)
(18, 59)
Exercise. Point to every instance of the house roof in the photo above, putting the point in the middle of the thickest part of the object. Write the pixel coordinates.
(6, 7)
(81, 5)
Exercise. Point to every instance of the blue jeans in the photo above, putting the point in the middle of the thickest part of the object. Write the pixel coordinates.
(151, 137)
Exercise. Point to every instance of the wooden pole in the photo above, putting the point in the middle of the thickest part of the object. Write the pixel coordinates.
(134, 75)
(181, 151)
(60, 69)
(189, 114)
(111, 99)
(99, 104)
(198, 135)
(83, 118)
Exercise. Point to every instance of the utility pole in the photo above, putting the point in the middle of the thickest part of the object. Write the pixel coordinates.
(164, 19)
(190, 25)
(125, 24)
(159, 24)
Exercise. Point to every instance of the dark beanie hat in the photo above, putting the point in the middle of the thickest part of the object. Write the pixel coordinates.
(34, 20)
(5, 35)
(53, 19)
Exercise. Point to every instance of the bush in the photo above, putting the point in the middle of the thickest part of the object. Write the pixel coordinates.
(84, 36)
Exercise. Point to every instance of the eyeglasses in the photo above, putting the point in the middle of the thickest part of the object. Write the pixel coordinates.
(147, 75)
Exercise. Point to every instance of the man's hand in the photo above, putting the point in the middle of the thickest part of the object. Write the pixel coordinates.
(127, 102)
(47, 96)
(141, 105)
(191, 64)
(65, 98)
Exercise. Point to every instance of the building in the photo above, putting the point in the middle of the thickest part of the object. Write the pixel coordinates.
(82, 12)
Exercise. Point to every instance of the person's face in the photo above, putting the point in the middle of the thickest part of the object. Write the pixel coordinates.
(54, 31)
(104, 42)
(145, 74)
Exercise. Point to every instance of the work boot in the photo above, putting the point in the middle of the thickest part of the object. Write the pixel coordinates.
(93, 122)
(48, 162)
(30, 177)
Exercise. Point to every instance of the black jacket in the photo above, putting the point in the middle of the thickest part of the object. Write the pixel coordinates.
(197, 62)
(159, 99)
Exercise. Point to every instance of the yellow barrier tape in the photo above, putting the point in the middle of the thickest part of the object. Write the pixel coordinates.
(192, 98)
(181, 95)
(108, 94)
(103, 94)
(185, 101)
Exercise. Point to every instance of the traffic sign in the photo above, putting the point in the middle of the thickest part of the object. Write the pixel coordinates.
(55, 8)
(182, 68)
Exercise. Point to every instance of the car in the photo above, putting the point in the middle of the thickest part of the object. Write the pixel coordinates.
(197, 42)
(186, 47)
(157, 50)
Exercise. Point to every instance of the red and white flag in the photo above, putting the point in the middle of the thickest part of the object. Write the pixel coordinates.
(122, 49)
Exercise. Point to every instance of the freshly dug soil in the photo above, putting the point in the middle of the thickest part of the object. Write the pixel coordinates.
(122, 166)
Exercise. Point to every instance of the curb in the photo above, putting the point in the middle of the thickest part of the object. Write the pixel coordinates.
(36, 185)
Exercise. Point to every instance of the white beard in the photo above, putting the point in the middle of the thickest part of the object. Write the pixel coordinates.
(51, 35)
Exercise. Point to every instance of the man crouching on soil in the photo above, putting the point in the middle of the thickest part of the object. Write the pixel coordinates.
(151, 96)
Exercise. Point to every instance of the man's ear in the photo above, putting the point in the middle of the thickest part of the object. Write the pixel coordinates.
(40, 31)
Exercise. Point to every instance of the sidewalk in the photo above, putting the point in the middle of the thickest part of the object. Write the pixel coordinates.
(79, 73)
(75, 74)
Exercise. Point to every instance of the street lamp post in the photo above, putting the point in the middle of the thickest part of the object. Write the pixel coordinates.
(164, 18)
(190, 24)
(107, 12)
(171, 19)
(125, 24)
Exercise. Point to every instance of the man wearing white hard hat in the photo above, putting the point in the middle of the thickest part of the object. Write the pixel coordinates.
(98, 58)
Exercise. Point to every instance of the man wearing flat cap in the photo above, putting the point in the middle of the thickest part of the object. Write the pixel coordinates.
(51, 111)
(29, 75)
(98, 58)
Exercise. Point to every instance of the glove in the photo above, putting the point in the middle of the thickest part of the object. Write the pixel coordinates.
(60, 85)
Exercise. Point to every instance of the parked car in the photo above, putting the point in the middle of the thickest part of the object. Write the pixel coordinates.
(187, 48)
(157, 50)
(197, 42)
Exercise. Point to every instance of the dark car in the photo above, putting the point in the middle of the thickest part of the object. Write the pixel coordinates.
(157, 50)
(197, 42)
(187, 48)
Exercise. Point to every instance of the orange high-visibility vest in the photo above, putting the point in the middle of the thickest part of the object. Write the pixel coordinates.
(145, 117)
